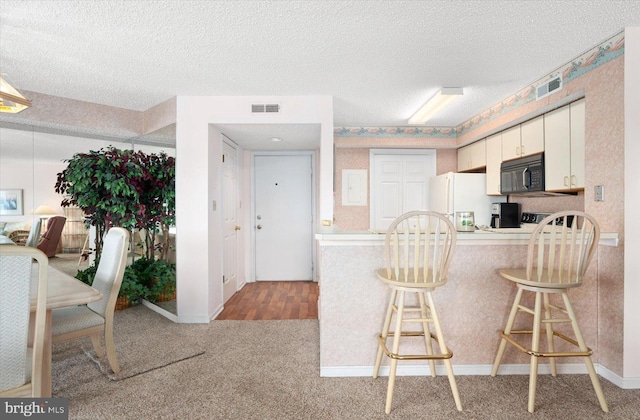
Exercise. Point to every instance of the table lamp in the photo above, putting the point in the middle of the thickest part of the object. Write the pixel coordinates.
(45, 213)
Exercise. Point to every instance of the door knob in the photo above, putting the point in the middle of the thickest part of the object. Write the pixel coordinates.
(238, 228)
(259, 226)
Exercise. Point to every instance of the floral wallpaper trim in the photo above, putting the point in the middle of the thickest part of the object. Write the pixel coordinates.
(439, 132)
(593, 58)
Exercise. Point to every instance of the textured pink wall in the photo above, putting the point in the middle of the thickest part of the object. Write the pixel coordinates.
(350, 217)
(95, 119)
(357, 217)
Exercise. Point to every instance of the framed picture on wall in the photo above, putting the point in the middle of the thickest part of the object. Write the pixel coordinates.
(11, 203)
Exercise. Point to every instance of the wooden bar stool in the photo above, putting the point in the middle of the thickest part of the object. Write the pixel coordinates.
(418, 250)
(558, 257)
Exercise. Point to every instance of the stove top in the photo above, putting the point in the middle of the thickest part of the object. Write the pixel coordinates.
(534, 218)
(528, 223)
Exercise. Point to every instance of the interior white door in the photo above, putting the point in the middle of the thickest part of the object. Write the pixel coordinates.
(230, 222)
(284, 217)
(400, 183)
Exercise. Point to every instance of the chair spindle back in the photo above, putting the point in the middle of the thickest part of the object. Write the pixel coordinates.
(560, 253)
(418, 248)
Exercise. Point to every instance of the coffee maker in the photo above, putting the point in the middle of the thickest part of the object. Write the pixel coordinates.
(505, 215)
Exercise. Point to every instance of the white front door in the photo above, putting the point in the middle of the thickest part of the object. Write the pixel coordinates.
(283, 217)
(230, 222)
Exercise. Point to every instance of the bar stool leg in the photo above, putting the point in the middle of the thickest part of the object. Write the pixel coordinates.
(444, 349)
(587, 359)
(396, 348)
(535, 347)
(424, 312)
(549, 329)
(507, 331)
(385, 332)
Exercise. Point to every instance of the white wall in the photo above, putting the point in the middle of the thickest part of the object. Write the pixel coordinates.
(631, 364)
(36, 180)
(198, 170)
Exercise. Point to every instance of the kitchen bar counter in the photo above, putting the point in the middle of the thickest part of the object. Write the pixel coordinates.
(473, 305)
(509, 236)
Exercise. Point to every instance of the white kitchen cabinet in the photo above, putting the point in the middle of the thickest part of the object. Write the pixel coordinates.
(473, 156)
(564, 147)
(524, 139)
(511, 143)
(577, 144)
(532, 136)
(494, 159)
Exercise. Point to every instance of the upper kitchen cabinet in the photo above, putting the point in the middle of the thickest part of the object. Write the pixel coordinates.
(473, 156)
(494, 159)
(564, 147)
(511, 143)
(532, 136)
(524, 139)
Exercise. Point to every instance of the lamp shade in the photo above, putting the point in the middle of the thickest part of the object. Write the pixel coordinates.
(45, 211)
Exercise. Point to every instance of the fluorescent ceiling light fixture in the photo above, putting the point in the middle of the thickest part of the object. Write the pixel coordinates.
(11, 100)
(276, 139)
(437, 103)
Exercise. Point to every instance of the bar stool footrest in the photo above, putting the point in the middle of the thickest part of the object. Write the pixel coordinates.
(397, 356)
(530, 352)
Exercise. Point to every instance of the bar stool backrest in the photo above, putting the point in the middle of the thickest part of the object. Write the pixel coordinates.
(559, 255)
(419, 246)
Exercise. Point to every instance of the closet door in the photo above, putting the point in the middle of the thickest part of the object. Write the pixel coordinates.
(399, 183)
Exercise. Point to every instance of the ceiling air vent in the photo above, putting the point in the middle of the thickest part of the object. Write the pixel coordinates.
(548, 87)
(268, 108)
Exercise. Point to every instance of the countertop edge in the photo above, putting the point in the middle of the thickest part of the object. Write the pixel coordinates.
(363, 238)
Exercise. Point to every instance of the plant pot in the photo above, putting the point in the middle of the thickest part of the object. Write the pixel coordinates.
(166, 296)
(122, 303)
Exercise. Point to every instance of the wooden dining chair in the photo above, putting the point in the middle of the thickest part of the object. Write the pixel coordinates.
(96, 318)
(418, 249)
(559, 252)
(21, 361)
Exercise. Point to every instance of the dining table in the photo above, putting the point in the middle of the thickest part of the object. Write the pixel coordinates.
(5, 240)
(63, 290)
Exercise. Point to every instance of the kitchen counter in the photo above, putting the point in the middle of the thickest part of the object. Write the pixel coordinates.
(473, 305)
(510, 236)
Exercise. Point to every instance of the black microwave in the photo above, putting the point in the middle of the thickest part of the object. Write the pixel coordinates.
(522, 175)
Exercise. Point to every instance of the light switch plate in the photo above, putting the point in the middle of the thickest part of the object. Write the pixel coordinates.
(598, 193)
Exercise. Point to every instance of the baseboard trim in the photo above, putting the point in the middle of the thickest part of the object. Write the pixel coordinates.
(160, 310)
(624, 383)
(478, 370)
(215, 313)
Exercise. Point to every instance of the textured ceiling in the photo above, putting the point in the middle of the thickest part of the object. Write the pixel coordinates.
(380, 60)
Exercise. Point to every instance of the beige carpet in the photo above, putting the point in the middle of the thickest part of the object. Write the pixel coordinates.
(270, 370)
(68, 263)
(136, 358)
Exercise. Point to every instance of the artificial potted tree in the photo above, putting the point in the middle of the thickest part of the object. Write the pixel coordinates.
(129, 189)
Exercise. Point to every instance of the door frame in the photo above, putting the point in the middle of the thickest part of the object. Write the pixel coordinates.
(232, 144)
(250, 268)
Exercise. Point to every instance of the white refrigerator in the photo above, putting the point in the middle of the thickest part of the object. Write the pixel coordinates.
(453, 192)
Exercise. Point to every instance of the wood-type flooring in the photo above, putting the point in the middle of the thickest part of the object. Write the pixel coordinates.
(264, 300)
